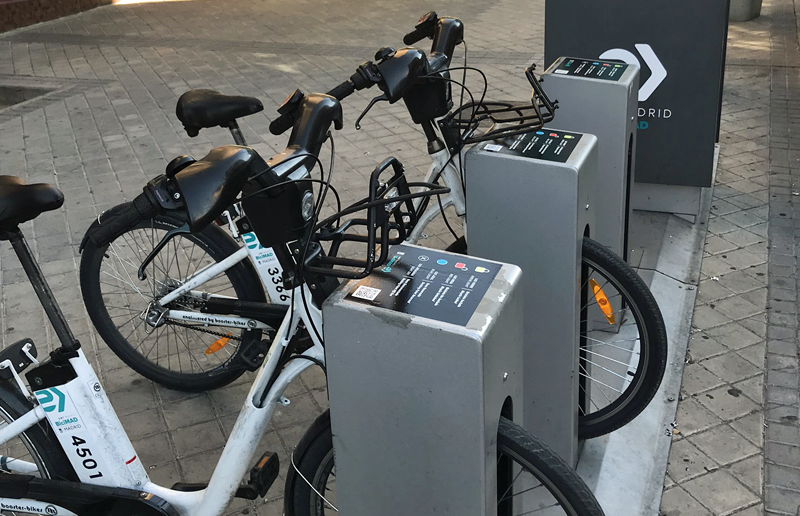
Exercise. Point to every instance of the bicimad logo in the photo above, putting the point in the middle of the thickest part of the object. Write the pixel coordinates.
(251, 241)
(51, 399)
(657, 71)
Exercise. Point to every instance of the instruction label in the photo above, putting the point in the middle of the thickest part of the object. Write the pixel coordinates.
(605, 70)
(546, 144)
(427, 283)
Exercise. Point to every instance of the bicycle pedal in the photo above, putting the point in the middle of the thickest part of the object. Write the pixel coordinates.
(263, 474)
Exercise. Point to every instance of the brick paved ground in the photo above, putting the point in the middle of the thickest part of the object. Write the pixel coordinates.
(106, 124)
(737, 451)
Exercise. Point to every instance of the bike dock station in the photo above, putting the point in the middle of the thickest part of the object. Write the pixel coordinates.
(436, 339)
(560, 167)
(600, 98)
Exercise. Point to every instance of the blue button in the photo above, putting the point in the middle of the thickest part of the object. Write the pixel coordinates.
(441, 262)
(595, 64)
(539, 132)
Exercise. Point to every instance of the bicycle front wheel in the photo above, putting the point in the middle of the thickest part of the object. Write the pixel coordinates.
(180, 355)
(532, 479)
(623, 343)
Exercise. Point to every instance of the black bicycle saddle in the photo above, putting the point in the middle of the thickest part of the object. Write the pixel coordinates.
(21, 202)
(198, 109)
(211, 185)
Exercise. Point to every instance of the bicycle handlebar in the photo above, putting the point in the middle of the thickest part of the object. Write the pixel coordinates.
(415, 35)
(446, 33)
(285, 122)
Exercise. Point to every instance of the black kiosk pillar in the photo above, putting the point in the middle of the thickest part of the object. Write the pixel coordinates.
(680, 47)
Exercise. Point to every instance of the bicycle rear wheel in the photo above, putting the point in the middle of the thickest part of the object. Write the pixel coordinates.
(532, 479)
(177, 354)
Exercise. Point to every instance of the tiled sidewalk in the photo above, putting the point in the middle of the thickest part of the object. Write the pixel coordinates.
(736, 451)
(107, 125)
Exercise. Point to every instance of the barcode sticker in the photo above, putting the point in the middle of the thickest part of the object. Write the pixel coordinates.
(493, 147)
(367, 293)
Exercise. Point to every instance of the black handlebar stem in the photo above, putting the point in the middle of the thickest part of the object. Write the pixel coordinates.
(449, 33)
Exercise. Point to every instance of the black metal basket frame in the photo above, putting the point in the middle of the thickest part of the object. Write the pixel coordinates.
(459, 130)
(389, 219)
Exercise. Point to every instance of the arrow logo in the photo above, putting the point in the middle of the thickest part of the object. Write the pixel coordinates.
(46, 397)
(658, 72)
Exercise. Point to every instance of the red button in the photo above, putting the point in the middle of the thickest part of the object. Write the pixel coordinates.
(460, 265)
(554, 135)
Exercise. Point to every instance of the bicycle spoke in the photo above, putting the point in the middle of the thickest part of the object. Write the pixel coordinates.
(605, 369)
(611, 344)
(586, 375)
(606, 358)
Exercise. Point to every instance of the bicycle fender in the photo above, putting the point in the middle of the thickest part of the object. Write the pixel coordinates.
(111, 223)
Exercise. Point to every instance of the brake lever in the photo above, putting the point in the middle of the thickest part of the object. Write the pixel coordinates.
(182, 230)
(371, 103)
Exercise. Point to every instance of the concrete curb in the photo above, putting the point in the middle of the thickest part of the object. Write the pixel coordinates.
(626, 469)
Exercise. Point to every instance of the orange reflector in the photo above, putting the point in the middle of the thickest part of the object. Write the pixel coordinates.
(218, 344)
(602, 301)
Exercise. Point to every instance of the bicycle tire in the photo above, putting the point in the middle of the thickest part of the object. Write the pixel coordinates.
(562, 482)
(650, 325)
(652, 362)
(244, 282)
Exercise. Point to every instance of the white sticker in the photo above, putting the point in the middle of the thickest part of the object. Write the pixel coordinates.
(269, 268)
(78, 441)
(367, 293)
(562, 72)
(493, 147)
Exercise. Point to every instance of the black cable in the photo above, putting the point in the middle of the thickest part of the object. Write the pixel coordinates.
(312, 228)
(381, 202)
(310, 359)
(305, 180)
(444, 216)
(475, 107)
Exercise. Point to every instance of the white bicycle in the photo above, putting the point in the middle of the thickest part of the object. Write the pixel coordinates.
(64, 451)
(200, 342)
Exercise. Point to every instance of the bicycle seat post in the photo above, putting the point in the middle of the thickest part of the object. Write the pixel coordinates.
(42, 289)
(238, 137)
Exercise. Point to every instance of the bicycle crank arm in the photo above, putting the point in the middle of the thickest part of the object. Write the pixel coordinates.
(243, 323)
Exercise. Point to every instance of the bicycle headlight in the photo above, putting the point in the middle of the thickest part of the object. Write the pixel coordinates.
(307, 209)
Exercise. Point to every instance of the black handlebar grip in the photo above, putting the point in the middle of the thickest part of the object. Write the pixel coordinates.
(285, 122)
(281, 124)
(416, 35)
(343, 90)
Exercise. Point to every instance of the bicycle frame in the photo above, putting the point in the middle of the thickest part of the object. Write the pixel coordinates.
(101, 454)
(442, 166)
